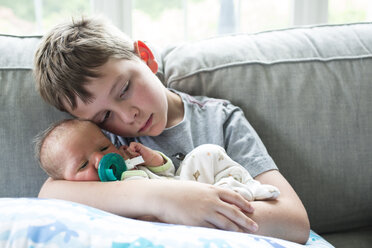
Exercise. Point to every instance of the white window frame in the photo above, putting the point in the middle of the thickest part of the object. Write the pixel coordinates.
(38, 6)
(118, 11)
(304, 12)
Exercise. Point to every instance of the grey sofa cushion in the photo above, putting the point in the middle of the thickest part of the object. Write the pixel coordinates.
(307, 92)
(361, 238)
(23, 114)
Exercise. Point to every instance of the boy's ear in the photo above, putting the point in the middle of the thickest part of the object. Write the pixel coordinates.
(146, 55)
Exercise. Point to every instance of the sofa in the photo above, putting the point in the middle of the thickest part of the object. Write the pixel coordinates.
(307, 91)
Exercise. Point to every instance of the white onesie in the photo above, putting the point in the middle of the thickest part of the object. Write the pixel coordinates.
(209, 164)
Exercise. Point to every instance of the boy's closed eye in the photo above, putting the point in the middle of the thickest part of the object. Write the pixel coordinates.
(123, 95)
(124, 90)
(105, 118)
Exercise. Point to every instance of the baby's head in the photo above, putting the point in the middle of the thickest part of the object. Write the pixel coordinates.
(71, 149)
(71, 53)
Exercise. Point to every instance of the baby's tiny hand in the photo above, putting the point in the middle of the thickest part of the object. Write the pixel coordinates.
(151, 157)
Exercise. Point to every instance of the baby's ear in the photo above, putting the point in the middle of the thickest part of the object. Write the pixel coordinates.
(144, 52)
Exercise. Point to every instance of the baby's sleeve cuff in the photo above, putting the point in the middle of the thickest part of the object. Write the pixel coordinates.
(166, 166)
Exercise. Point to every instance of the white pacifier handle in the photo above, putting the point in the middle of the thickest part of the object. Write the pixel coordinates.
(133, 162)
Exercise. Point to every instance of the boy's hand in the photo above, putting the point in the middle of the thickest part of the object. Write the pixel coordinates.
(151, 157)
(199, 204)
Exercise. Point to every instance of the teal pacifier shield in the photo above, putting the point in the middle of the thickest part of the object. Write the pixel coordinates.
(111, 167)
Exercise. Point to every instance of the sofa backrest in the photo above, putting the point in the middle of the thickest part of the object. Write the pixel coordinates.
(23, 114)
(308, 93)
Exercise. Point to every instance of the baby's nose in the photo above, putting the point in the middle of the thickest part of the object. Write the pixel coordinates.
(97, 156)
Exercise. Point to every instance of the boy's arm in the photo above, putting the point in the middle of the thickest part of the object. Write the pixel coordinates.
(172, 201)
(284, 218)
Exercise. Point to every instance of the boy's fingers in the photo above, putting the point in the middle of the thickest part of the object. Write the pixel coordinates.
(236, 199)
(220, 221)
(234, 214)
(209, 225)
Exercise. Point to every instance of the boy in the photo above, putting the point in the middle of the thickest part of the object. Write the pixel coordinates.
(72, 150)
(91, 70)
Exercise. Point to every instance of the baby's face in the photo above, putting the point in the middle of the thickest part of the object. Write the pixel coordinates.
(80, 151)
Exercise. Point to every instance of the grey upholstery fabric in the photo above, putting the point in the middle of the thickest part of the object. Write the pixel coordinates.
(23, 114)
(361, 238)
(307, 92)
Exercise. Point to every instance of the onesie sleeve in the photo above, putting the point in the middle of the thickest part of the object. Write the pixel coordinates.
(167, 169)
(243, 144)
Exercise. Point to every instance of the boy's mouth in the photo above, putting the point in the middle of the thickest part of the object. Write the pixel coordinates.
(147, 124)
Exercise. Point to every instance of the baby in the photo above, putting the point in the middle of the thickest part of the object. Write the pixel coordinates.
(72, 150)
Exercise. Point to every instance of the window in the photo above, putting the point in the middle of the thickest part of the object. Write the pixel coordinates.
(32, 17)
(169, 21)
(343, 11)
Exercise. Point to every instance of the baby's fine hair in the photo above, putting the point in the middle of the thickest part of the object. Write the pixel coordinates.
(41, 152)
(71, 52)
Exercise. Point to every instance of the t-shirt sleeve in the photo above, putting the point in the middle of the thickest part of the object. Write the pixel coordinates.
(243, 144)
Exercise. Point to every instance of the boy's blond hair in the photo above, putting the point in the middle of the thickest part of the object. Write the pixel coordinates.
(69, 54)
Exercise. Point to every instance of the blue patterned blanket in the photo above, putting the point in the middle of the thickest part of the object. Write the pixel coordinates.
(33, 223)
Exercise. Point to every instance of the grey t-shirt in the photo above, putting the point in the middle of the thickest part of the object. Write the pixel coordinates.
(209, 121)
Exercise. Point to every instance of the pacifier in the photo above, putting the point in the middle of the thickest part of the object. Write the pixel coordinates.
(113, 165)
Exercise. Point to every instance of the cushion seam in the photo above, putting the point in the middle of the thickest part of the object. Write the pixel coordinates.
(233, 64)
(16, 68)
(306, 27)
(20, 36)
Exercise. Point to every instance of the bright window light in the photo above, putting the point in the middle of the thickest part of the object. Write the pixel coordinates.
(32, 17)
(171, 21)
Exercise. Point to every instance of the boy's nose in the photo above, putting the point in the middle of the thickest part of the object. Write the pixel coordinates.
(128, 115)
